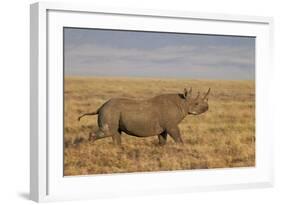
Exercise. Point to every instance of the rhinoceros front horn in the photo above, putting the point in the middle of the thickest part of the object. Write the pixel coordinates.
(206, 95)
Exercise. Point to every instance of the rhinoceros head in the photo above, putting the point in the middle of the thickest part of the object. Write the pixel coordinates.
(196, 105)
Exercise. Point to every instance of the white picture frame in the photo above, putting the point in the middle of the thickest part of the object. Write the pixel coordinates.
(47, 182)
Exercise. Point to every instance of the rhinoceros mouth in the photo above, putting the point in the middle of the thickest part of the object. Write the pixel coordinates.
(193, 113)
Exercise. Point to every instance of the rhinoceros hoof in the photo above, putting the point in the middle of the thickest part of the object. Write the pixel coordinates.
(92, 137)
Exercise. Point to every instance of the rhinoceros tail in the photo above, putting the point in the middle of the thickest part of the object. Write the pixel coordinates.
(90, 113)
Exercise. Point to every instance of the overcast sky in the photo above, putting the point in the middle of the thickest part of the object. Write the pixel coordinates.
(93, 52)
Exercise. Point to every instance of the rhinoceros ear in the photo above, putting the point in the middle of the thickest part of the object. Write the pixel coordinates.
(186, 93)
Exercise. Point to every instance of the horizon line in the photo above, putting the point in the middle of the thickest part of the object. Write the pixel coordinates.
(156, 78)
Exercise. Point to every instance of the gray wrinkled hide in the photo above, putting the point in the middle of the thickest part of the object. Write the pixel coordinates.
(159, 115)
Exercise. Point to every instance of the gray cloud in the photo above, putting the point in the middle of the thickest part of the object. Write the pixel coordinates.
(227, 61)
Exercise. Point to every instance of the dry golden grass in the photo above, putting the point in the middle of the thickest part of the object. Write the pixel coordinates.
(222, 137)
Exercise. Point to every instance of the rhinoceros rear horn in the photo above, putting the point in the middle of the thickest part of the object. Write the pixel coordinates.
(190, 91)
(198, 95)
(207, 93)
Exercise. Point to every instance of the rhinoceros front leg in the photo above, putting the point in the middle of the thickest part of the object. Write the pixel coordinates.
(162, 138)
(174, 132)
(116, 137)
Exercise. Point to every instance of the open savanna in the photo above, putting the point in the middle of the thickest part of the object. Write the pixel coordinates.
(222, 137)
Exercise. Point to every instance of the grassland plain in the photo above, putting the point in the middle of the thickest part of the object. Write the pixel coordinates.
(222, 137)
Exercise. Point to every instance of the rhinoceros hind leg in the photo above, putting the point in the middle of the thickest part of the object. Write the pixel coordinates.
(93, 136)
(116, 136)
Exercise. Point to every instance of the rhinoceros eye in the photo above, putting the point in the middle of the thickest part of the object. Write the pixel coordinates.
(197, 103)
